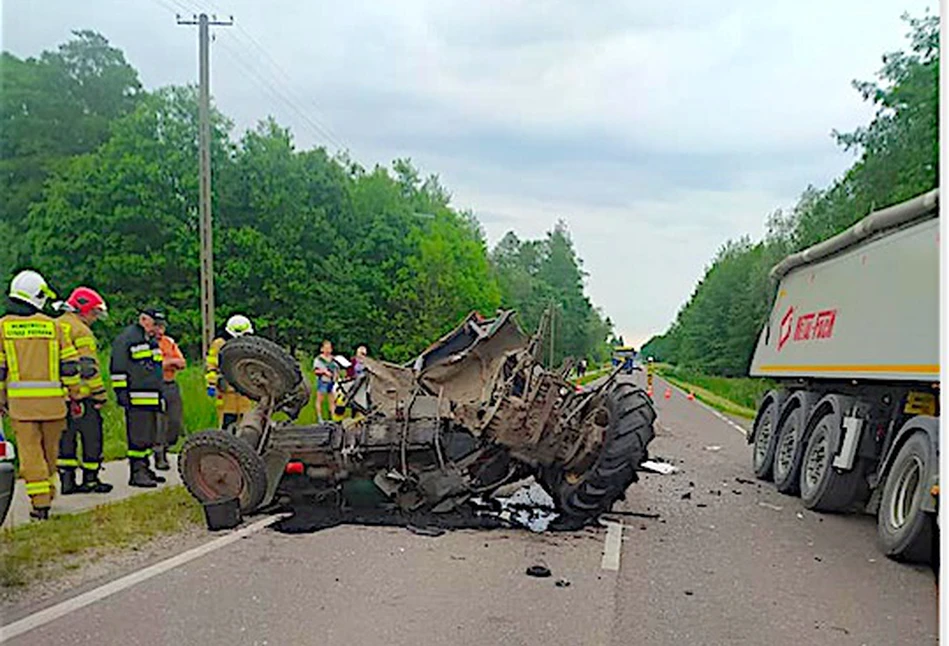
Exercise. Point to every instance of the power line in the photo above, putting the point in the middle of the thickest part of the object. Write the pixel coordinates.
(282, 87)
(314, 128)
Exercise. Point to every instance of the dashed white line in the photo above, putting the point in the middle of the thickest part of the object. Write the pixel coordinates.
(611, 547)
(52, 613)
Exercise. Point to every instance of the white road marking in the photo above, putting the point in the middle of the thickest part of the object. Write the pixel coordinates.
(611, 547)
(52, 613)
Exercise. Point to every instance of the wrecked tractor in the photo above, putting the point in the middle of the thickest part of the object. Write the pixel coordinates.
(474, 412)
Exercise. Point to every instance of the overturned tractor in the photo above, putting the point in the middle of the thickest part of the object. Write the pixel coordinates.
(474, 412)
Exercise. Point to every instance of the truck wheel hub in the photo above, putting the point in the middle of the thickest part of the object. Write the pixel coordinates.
(907, 486)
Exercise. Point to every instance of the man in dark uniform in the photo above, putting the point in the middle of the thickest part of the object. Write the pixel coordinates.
(136, 368)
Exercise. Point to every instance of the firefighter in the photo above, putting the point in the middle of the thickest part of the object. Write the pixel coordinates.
(231, 404)
(136, 368)
(83, 307)
(39, 367)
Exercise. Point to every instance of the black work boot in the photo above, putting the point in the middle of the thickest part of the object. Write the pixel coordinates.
(40, 513)
(67, 481)
(154, 476)
(161, 459)
(139, 475)
(92, 484)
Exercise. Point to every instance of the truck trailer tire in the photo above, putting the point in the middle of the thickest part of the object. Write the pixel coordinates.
(904, 530)
(258, 367)
(789, 451)
(762, 455)
(630, 429)
(215, 465)
(824, 487)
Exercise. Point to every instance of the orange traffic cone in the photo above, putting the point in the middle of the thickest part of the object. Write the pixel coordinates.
(691, 396)
(668, 393)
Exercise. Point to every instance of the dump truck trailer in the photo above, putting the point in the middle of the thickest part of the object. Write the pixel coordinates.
(852, 340)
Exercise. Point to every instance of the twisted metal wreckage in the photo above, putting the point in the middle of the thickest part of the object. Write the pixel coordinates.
(474, 412)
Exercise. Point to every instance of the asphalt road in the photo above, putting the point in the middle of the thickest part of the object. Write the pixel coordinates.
(732, 562)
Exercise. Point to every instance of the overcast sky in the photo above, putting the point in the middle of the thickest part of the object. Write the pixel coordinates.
(657, 130)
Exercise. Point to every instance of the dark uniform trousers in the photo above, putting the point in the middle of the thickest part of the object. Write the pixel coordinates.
(141, 428)
(88, 428)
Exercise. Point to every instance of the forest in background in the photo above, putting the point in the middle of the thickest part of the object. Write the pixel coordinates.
(100, 185)
(716, 330)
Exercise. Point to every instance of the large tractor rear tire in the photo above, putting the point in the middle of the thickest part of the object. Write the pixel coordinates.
(582, 497)
(215, 465)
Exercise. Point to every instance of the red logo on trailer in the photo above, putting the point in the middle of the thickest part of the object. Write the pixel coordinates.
(807, 327)
(786, 326)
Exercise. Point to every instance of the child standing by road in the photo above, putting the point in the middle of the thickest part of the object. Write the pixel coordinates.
(326, 371)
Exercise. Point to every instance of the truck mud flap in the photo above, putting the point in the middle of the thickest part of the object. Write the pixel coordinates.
(275, 461)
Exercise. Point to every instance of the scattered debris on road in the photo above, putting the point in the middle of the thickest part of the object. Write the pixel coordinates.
(636, 514)
(540, 571)
(530, 507)
(687, 495)
(562, 583)
(745, 481)
(713, 448)
(662, 468)
(425, 530)
(689, 593)
(768, 505)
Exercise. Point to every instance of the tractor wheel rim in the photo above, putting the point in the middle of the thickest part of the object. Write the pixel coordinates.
(816, 461)
(907, 487)
(219, 476)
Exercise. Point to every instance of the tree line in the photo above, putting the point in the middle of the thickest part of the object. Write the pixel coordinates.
(897, 158)
(100, 183)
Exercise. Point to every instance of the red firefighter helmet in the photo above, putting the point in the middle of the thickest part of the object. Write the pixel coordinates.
(86, 300)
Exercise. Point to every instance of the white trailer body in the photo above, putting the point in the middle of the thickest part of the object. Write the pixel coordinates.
(867, 312)
(853, 341)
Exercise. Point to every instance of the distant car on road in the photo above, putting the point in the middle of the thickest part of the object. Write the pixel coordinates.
(7, 475)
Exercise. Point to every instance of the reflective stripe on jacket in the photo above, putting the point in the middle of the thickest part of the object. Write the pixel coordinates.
(135, 367)
(39, 367)
(82, 338)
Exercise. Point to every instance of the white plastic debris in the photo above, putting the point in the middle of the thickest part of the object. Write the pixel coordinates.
(530, 507)
(768, 505)
(663, 468)
(713, 447)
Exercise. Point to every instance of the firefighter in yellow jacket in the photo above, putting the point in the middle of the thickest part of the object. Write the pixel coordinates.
(39, 367)
(230, 403)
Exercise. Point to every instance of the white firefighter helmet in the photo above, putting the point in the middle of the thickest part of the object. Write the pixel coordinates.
(30, 287)
(239, 325)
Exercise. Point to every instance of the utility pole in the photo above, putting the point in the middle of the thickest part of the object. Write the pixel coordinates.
(204, 158)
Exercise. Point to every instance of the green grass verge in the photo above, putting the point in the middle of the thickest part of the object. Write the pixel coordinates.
(593, 375)
(735, 396)
(47, 550)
